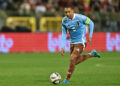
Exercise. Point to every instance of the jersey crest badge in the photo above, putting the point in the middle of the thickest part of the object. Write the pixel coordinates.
(77, 23)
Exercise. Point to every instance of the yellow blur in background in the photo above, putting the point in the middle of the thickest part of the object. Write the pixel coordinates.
(28, 22)
(45, 23)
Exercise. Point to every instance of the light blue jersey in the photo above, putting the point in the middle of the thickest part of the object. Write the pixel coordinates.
(76, 28)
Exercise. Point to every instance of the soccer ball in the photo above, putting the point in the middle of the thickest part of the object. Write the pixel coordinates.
(55, 78)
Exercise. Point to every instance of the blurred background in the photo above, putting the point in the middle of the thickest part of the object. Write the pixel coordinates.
(30, 27)
(46, 15)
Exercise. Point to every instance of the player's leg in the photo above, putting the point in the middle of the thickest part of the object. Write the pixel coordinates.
(71, 48)
(73, 57)
(81, 58)
(71, 67)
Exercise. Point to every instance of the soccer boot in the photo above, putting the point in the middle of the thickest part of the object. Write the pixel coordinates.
(65, 81)
(95, 54)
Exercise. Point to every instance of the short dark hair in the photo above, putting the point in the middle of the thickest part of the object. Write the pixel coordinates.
(69, 7)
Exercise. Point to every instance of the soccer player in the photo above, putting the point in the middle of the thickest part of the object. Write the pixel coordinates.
(76, 26)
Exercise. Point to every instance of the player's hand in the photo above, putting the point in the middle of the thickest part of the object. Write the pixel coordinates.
(90, 41)
(62, 51)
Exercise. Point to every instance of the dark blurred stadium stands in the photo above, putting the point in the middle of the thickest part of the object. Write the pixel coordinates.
(105, 13)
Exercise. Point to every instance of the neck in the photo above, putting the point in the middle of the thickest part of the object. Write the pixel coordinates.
(72, 16)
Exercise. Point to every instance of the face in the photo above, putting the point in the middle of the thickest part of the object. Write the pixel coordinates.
(69, 12)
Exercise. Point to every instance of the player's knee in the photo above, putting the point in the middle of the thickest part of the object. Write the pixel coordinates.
(74, 55)
(73, 58)
(72, 61)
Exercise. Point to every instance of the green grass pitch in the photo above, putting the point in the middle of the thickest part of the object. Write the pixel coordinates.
(34, 69)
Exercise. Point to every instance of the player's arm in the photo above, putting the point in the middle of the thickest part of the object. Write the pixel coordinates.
(64, 35)
(89, 22)
(91, 26)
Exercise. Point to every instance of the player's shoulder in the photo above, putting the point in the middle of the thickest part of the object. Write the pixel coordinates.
(79, 15)
(64, 20)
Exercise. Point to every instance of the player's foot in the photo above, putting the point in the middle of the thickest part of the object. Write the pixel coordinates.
(95, 54)
(65, 81)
